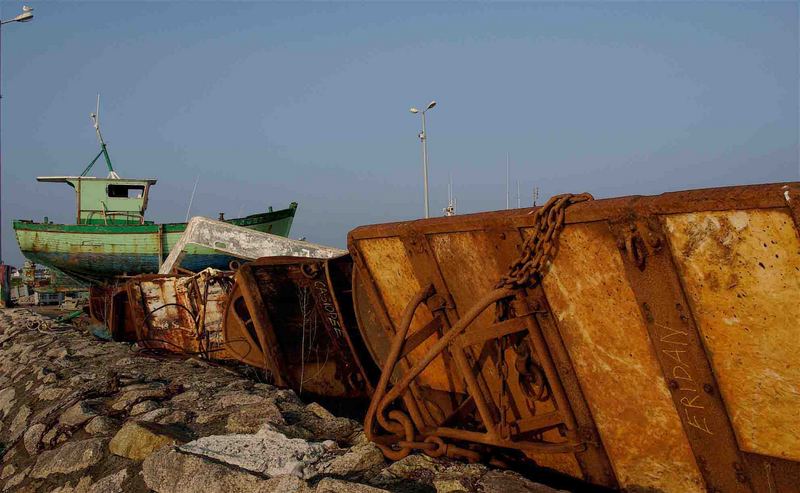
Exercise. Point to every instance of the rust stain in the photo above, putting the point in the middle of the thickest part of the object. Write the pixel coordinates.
(470, 273)
(741, 270)
(175, 313)
(389, 265)
(294, 317)
(609, 346)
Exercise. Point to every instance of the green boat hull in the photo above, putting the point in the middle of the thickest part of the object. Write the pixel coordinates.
(97, 253)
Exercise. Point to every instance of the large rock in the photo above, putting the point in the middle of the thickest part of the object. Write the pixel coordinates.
(452, 484)
(144, 407)
(6, 400)
(32, 437)
(15, 480)
(511, 482)
(240, 399)
(361, 461)
(324, 425)
(128, 398)
(136, 440)
(77, 414)
(171, 471)
(250, 418)
(330, 485)
(418, 472)
(100, 425)
(52, 393)
(69, 458)
(154, 415)
(82, 486)
(110, 484)
(20, 422)
(267, 452)
(8, 470)
(178, 417)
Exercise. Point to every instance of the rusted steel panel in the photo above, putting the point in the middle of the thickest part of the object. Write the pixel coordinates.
(400, 285)
(175, 313)
(609, 346)
(680, 353)
(742, 273)
(610, 337)
(294, 318)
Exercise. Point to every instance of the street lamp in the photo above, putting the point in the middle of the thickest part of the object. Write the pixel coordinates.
(25, 16)
(423, 137)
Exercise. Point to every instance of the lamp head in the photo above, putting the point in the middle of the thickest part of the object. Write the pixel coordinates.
(414, 110)
(430, 105)
(26, 15)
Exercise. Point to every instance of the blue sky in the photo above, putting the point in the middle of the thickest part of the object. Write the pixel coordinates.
(277, 102)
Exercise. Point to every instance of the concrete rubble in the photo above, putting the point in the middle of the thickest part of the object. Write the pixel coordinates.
(78, 414)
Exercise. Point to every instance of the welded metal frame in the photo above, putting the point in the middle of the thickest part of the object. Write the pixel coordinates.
(637, 225)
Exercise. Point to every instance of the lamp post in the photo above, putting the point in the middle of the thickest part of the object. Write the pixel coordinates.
(423, 137)
(25, 16)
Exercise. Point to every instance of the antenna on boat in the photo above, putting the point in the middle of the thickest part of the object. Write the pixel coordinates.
(191, 199)
(103, 150)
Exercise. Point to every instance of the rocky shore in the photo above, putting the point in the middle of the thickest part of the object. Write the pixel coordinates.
(78, 414)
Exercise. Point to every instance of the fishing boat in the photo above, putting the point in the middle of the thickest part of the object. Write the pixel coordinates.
(111, 237)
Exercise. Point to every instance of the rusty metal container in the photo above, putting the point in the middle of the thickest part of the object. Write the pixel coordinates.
(293, 317)
(657, 350)
(176, 313)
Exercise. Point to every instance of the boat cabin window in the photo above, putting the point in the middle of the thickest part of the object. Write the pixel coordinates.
(126, 191)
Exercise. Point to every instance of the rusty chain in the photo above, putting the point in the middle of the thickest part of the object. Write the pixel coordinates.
(527, 271)
(539, 248)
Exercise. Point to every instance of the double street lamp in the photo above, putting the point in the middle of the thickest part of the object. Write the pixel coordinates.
(423, 137)
(25, 16)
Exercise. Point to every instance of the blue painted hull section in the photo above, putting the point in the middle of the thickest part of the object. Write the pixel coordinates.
(109, 265)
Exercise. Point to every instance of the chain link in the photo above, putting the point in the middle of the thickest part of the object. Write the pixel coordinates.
(527, 272)
(539, 248)
(502, 373)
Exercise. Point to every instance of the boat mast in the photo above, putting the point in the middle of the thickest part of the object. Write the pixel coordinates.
(191, 199)
(103, 149)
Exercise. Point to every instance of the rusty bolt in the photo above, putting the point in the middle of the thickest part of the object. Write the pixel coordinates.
(708, 388)
(502, 236)
(673, 384)
(647, 314)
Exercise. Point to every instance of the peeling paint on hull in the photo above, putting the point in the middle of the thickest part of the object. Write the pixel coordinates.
(98, 252)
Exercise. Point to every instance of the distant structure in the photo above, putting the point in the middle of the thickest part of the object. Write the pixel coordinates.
(450, 210)
(535, 195)
(508, 177)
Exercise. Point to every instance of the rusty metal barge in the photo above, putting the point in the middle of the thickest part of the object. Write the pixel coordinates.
(644, 343)
(635, 343)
